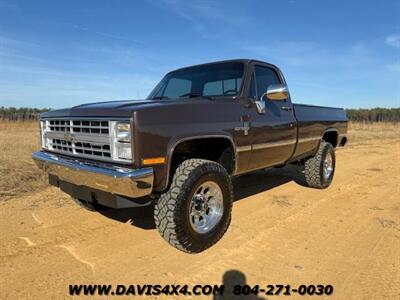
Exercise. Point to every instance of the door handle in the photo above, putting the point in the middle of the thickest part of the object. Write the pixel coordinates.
(287, 108)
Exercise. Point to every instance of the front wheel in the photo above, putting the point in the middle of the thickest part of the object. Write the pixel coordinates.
(319, 169)
(196, 211)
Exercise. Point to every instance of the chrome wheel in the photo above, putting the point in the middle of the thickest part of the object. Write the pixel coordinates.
(328, 166)
(206, 207)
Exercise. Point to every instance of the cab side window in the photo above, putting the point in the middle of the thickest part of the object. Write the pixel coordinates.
(264, 78)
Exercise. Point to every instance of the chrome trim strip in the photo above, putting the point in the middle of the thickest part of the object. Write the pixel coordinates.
(79, 137)
(273, 144)
(309, 139)
(266, 145)
(127, 182)
(243, 148)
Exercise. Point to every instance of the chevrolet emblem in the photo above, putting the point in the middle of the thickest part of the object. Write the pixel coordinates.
(68, 137)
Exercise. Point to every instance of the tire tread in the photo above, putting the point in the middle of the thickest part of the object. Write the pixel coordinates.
(167, 212)
(313, 167)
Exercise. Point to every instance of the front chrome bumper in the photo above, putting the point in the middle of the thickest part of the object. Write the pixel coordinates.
(133, 183)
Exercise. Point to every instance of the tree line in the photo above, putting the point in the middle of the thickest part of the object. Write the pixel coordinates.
(374, 115)
(355, 115)
(21, 113)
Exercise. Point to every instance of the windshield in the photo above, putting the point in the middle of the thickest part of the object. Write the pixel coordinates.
(215, 80)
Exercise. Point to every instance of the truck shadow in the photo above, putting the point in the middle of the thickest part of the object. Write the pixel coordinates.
(244, 186)
(264, 180)
(141, 217)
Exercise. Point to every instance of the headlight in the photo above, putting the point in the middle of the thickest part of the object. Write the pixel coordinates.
(122, 141)
(123, 132)
(43, 139)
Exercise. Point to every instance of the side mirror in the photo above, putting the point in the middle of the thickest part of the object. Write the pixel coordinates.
(277, 92)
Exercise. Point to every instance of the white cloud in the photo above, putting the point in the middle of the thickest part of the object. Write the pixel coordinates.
(101, 33)
(393, 40)
(35, 75)
(394, 67)
(339, 75)
(209, 18)
(312, 55)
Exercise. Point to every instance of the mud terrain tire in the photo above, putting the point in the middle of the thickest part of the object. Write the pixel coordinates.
(172, 212)
(319, 169)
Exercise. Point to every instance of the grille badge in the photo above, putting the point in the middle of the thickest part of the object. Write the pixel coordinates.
(68, 137)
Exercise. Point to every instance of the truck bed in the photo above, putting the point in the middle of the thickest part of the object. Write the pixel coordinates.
(313, 121)
(306, 112)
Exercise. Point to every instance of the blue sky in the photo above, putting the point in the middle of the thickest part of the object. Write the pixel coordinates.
(63, 53)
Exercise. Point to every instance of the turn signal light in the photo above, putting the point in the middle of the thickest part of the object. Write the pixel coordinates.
(153, 161)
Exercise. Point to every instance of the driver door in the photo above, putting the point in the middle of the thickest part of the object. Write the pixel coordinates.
(273, 134)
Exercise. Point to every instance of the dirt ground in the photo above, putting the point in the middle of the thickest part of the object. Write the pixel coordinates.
(281, 233)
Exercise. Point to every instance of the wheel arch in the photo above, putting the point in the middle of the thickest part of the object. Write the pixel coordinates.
(331, 135)
(174, 145)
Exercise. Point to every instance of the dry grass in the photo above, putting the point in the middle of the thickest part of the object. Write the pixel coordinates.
(19, 174)
(361, 133)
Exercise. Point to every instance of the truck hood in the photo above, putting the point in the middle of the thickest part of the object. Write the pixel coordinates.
(122, 109)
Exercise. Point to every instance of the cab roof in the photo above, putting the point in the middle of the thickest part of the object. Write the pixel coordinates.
(245, 61)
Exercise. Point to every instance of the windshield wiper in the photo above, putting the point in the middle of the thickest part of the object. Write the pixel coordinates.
(195, 95)
(159, 98)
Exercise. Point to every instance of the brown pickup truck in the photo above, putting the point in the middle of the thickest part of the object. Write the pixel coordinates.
(179, 148)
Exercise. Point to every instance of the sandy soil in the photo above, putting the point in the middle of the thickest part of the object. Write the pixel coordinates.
(281, 233)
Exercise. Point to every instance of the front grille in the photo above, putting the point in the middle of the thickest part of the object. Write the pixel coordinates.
(80, 138)
(83, 148)
(79, 126)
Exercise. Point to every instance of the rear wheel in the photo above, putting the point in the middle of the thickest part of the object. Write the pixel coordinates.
(319, 170)
(196, 211)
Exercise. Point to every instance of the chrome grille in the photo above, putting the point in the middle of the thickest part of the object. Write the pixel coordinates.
(81, 138)
(79, 126)
(82, 148)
